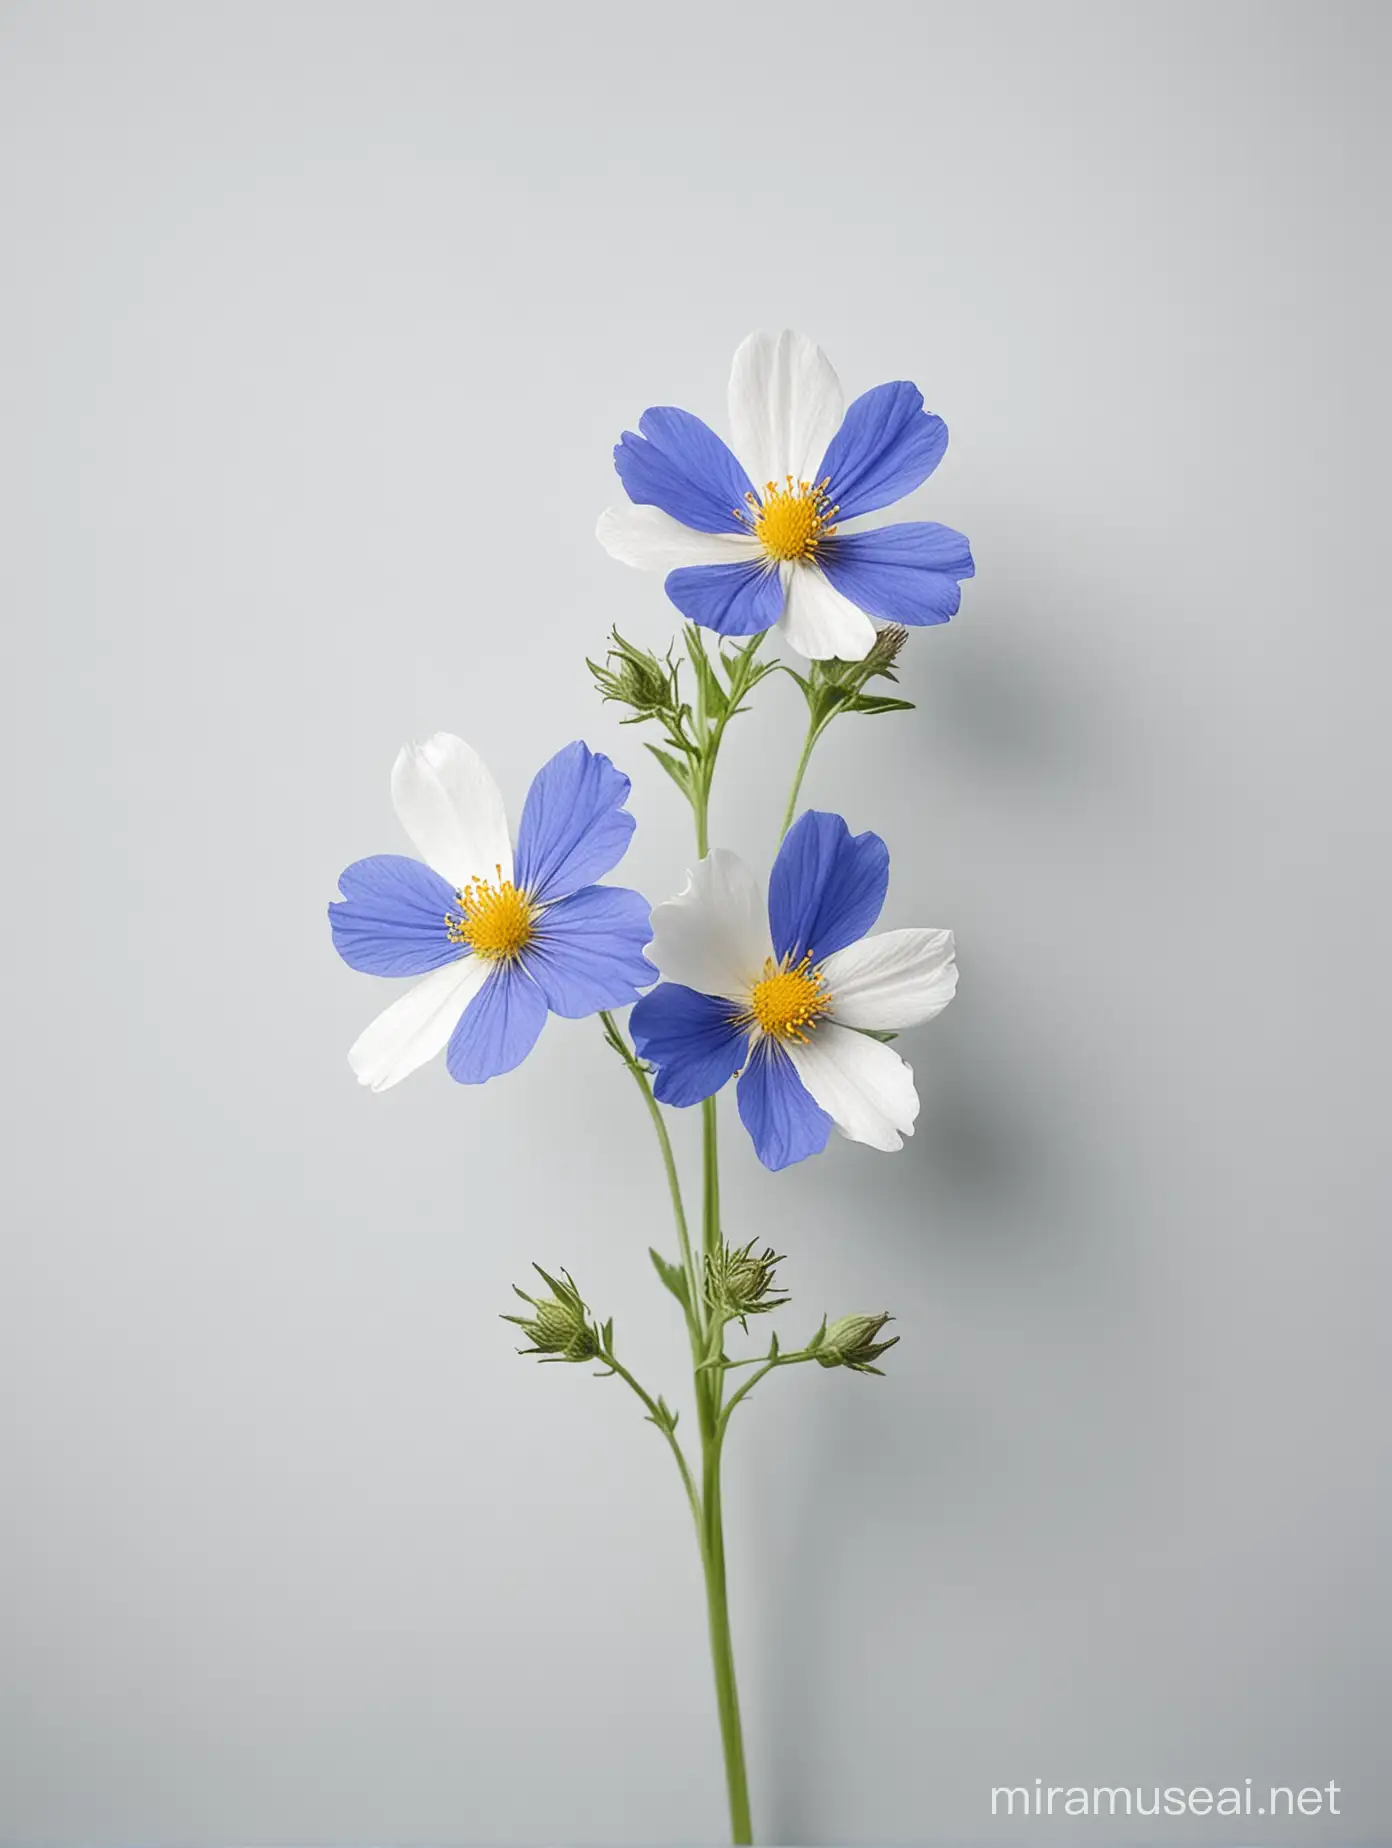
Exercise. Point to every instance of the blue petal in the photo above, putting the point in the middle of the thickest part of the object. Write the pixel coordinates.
(885, 447)
(900, 573)
(588, 951)
(733, 599)
(777, 1109)
(692, 1040)
(393, 919)
(680, 465)
(573, 827)
(498, 1028)
(826, 887)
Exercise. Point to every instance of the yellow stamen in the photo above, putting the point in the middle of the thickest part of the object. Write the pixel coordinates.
(787, 1000)
(495, 920)
(790, 521)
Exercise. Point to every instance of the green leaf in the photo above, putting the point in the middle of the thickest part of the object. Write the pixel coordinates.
(672, 1275)
(712, 692)
(878, 1033)
(817, 1339)
(870, 702)
(742, 669)
(676, 770)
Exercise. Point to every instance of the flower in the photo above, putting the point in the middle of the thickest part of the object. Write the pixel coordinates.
(791, 1001)
(739, 561)
(498, 944)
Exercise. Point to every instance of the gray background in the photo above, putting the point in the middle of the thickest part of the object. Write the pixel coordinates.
(317, 325)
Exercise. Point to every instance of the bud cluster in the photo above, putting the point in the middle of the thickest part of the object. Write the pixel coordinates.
(650, 686)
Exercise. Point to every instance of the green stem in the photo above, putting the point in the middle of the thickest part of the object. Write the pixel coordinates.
(781, 1360)
(722, 1647)
(696, 1296)
(709, 1391)
(655, 1417)
(705, 1506)
(710, 1177)
(814, 732)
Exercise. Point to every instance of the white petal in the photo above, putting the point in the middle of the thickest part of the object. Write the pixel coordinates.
(653, 541)
(865, 1087)
(714, 935)
(818, 621)
(417, 1026)
(785, 406)
(451, 808)
(897, 979)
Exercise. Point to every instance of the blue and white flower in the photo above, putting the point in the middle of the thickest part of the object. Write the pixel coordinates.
(755, 538)
(789, 996)
(498, 942)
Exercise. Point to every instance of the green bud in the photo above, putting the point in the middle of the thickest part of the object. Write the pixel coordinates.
(636, 678)
(851, 1343)
(885, 651)
(739, 1284)
(560, 1327)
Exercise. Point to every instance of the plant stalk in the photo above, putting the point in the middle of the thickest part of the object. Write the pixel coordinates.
(709, 1388)
(814, 732)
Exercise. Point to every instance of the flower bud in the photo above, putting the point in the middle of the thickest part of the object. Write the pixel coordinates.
(560, 1328)
(839, 686)
(635, 677)
(851, 1343)
(739, 1284)
(885, 650)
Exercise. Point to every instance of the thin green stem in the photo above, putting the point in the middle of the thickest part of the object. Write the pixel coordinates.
(709, 1391)
(705, 1503)
(700, 800)
(710, 732)
(664, 1426)
(780, 1360)
(614, 1034)
(722, 1647)
(814, 732)
(706, 1335)
(710, 1177)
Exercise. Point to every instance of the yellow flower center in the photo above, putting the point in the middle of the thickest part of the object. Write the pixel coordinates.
(495, 920)
(789, 521)
(787, 1000)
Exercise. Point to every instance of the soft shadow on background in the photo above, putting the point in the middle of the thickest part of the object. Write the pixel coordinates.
(317, 324)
